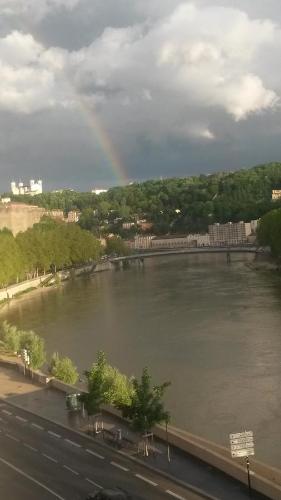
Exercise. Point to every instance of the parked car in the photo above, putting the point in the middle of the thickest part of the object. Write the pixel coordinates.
(110, 494)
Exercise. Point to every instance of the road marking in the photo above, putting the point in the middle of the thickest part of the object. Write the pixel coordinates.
(7, 412)
(12, 437)
(54, 434)
(50, 458)
(143, 478)
(71, 470)
(21, 419)
(115, 464)
(73, 443)
(37, 426)
(29, 447)
(175, 495)
(95, 454)
(93, 482)
(24, 474)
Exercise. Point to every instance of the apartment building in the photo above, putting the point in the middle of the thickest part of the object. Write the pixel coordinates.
(231, 233)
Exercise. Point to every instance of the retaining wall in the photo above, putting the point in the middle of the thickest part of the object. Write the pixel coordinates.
(11, 291)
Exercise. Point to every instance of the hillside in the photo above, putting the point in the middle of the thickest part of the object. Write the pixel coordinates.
(177, 204)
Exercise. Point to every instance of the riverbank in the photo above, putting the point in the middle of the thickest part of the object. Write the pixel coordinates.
(264, 262)
(45, 396)
(24, 288)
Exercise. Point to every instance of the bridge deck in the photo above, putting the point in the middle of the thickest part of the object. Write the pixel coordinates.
(191, 251)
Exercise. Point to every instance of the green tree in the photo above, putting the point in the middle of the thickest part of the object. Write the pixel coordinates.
(95, 378)
(106, 385)
(35, 346)
(63, 369)
(147, 407)
(115, 245)
(10, 337)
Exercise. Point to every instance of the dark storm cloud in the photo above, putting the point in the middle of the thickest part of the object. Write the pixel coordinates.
(180, 88)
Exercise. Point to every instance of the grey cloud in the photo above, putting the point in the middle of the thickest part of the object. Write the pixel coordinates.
(180, 87)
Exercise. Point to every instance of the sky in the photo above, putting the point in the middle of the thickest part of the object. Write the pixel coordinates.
(96, 93)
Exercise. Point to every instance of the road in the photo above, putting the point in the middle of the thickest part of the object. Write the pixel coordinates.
(39, 459)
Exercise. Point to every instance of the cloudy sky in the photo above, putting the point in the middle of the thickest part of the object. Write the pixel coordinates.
(95, 93)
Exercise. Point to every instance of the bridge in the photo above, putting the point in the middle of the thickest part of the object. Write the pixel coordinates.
(227, 250)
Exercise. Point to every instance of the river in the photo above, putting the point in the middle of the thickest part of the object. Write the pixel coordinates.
(212, 329)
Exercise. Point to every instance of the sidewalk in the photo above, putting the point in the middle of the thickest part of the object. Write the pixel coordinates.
(50, 403)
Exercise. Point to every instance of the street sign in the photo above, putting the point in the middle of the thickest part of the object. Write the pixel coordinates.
(242, 453)
(242, 444)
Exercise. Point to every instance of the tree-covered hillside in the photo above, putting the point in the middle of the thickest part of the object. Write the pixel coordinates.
(176, 204)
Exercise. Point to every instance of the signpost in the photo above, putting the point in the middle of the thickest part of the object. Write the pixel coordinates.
(242, 445)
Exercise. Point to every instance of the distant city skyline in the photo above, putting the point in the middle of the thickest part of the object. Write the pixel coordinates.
(94, 96)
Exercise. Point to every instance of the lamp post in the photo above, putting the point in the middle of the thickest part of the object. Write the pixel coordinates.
(167, 441)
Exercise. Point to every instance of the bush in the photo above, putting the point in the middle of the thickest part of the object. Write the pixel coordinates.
(63, 369)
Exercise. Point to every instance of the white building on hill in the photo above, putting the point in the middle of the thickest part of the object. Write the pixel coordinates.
(32, 189)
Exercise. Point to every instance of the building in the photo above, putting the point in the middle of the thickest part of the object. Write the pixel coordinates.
(276, 194)
(142, 242)
(128, 225)
(19, 216)
(32, 189)
(99, 191)
(145, 225)
(72, 216)
(231, 233)
(180, 241)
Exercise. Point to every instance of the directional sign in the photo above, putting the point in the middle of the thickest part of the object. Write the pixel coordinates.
(242, 444)
(241, 435)
(242, 453)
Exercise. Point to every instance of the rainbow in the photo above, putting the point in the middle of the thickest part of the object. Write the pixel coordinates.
(104, 140)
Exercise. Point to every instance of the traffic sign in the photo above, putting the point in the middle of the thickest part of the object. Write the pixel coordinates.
(243, 453)
(242, 444)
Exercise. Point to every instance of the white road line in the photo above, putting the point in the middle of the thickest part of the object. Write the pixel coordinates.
(7, 412)
(54, 434)
(37, 426)
(50, 458)
(115, 464)
(175, 495)
(93, 482)
(73, 443)
(21, 419)
(29, 447)
(24, 474)
(12, 437)
(143, 478)
(97, 455)
(71, 470)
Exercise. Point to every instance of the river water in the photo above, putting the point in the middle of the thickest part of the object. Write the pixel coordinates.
(211, 328)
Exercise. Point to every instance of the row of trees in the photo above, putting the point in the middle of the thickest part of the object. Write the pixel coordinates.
(14, 340)
(174, 205)
(139, 400)
(48, 245)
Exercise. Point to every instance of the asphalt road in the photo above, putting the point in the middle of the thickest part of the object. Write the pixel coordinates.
(39, 460)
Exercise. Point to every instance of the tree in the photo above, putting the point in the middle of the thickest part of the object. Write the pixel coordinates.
(63, 369)
(10, 337)
(95, 396)
(269, 232)
(106, 385)
(115, 245)
(147, 408)
(35, 346)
